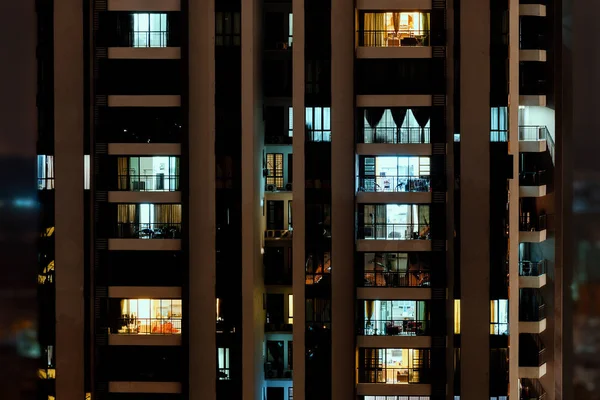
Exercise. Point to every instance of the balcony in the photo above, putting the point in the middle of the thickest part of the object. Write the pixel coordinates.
(532, 274)
(148, 183)
(532, 139)
(393, 44)
(277, 373)
(389, 279)
(532, 229)
(532, 183)
(532, 357)
(532, 318)
(393, 135)
(531, 389)
(45, 183)
(132, 331)
(278, 234)
(278, 327)
(133, 236)
(144, 5)
(145, 45)
(394, 189)
(394, 237)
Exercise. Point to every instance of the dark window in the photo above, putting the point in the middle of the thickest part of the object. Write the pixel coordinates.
(227, 29)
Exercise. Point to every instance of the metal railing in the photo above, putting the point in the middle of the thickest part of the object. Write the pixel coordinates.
(534, 178)
(498, 328)
(148, 326)
(394, 231)
(531, 224)
(391, 38)
(277, 373)
(551, 146)
(278, 327)
(147, 39)
(532, 132)
(418, 278)
(171, 230)
(275, 234)
(531, 313)
(394, 184)
(531, 389)
(45, 183)
(393, 375)
(223, 374)
(391, 135)
(394, 327)
(532, 268)
(498, 135)
(149, 183)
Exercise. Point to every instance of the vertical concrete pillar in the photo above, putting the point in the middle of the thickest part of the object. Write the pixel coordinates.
(201, 201)
(475, 198)
(513, 220)
(298, 206)
(253, 314)
(69, 211)
(342, 200)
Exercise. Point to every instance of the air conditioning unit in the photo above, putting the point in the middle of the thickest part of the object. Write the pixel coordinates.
(288, 187)
(271, 188)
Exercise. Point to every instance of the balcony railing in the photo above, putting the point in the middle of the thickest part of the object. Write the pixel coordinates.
(394, 232)
(390, 38)
(532, 352)
(395, 327)
(395, 184)
(149, 183)
(277, 373)
(532, 133)
(45, 183)
(531, 268)
(534, 178)
(281, 234)
(278, 327)
(147, 39)
(392, 135)
(171, 230)
(148, 326)
(393, 375)
(531, 313)
(498, 135)
(531, 389)
(418, 278)
(531, 224)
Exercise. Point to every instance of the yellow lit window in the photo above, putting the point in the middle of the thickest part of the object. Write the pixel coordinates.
(49, 373)
(457, 316)
(290, 308)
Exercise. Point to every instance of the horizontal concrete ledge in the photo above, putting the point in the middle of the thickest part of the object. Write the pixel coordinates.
(532, 191)
(381, 149)
(532, 146)
(532, 236)
(144, 5)
(533, 100)
(393, 100)
(409, 5)
(367, 245)
(144, 340)
(393, 197)
(532, 10)
(532, 372)
(532, 282)
(144, 244)
(532, 55)
(144, 101)
(144, 197)
(394, 52)
(144, 53)
(144, 387)
(144, 292)
(535, 327)
(144, 149)
(386, 293)
(394, 342)
(382, 389)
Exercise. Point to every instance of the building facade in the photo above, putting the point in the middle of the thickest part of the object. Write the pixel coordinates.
(269, 199)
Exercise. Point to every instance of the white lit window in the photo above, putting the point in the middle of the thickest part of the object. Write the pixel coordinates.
(290, 121)
(86, 172)
(149, 30)
(290, 308)
(499, 317)
(290, 29)
(318, 124)
(223, 363)
(45, 172)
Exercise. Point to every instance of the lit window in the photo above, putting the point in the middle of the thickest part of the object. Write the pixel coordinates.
(275, 169)
(149, 30)
(499, 317)
(318, 124)
(290, 121)
(86, 172)
(290, 29)
(49, 373)
(150, 316)
(290, 308)
(457, 317)
(45, 172)
(223, 364)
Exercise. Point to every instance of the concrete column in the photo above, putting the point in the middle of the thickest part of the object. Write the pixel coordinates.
(475, 198)
(69, 212)
(298, 206)
(201, 201)
(513, 244)
(342, 200)
(253, 314)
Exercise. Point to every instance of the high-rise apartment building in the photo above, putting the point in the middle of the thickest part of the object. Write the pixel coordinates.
(319, 199)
